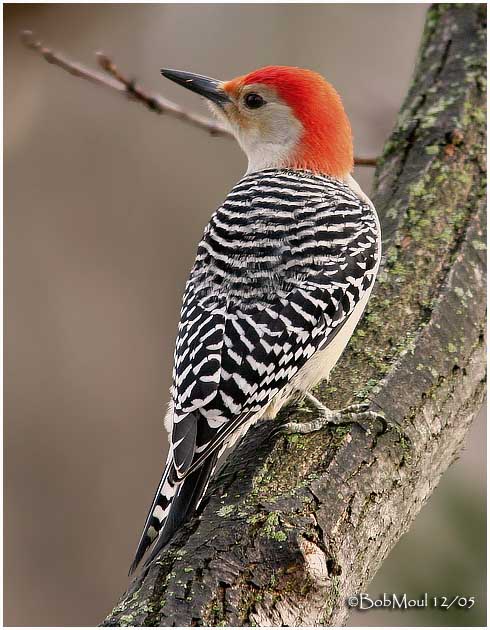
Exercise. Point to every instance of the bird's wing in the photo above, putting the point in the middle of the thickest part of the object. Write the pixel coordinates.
(264, 346)
(197, 368)
(309, 323)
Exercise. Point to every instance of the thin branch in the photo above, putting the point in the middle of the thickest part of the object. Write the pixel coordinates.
(127, 87)
(359, 161)
(77, 69)
(116, 81)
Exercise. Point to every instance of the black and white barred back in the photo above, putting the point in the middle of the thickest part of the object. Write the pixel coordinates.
(281, 266)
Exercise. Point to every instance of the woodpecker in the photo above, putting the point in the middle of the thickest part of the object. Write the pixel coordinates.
(282, 276)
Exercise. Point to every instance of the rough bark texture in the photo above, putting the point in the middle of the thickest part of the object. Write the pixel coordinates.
(293, 525)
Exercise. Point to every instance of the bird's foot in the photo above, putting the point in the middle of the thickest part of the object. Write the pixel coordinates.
(359, 414)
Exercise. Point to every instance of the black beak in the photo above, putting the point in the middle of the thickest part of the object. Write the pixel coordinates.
(209, 88)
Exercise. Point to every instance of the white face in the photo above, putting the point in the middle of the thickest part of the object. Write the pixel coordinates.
(264, 125)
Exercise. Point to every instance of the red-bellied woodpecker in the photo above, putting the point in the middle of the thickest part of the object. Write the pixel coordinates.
(282, 275)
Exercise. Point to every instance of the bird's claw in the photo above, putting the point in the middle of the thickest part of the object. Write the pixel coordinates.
(358, 413)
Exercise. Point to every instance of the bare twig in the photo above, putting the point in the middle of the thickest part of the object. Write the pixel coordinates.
(116, 81)
(359, 161)
(76, 69)
(127, 87)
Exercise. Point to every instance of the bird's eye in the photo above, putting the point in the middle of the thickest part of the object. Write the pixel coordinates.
(254, 101)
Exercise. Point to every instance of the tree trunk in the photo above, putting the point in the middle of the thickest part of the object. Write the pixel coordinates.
(295, 524)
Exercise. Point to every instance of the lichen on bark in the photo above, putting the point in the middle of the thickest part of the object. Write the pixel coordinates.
(295, 524)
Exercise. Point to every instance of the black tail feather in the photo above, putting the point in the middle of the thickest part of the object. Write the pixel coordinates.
(184, 503)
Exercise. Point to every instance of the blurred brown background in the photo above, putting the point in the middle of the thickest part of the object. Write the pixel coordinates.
(104, 205)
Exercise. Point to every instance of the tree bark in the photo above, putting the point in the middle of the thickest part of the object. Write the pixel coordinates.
(295, 524)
